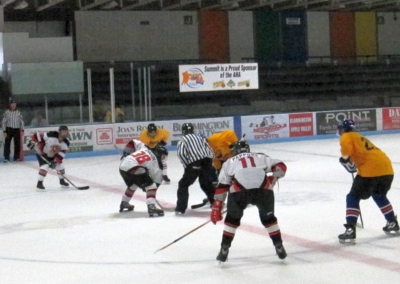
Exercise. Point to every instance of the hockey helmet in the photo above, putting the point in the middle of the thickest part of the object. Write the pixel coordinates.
(240, 147)
(62, 127)
(346, 125)
(152, 128)
(187, 128)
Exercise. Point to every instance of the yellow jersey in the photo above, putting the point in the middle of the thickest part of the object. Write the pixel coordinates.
(219, 143)
(151, 142)
(119, 115)
(369, 159)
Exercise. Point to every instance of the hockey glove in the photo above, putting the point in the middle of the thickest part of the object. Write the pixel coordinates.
(348, 165)
(31, 144)
(271, 181)
(162, 143)
(52, 165)
(124, 154)
(216, 214)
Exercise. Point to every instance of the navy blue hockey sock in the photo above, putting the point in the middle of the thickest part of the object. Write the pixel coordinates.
(384, 205)
(352, 209)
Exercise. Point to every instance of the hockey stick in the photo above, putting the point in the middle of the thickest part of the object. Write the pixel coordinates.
(199, 205)
(63, 176)
(361, 219)
(165, 208)
(188, 233)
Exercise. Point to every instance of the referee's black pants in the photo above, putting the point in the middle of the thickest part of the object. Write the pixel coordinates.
(16, 134)
(200, 169)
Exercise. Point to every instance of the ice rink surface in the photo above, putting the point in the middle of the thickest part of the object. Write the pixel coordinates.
(72, 236)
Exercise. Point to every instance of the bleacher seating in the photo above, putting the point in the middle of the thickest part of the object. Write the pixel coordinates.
(281, 89)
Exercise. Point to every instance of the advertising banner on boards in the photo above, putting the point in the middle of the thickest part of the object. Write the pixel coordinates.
(328, 121)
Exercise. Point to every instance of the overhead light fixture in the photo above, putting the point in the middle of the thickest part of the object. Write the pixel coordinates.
(110, 5)
(21, 5)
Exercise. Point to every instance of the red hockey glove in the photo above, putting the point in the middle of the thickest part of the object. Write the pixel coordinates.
(216, 211)
(271, 181)
(58, 159)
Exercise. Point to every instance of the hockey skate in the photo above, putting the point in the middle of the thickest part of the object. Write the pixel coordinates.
(166, 179)
(349, 236)
(153, 210)
(392, 227)
(280, 251)
(223, 255)
(39, 186)
(63, 183)
(125, 205)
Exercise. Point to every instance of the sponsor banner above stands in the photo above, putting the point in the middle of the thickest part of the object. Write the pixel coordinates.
(391, 118)
(218, 77)
(301, 124)
(257, 127)
(205, 127)
(328, 121)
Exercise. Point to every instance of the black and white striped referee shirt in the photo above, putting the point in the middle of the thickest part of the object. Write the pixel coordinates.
(193, 148)
(12, 119)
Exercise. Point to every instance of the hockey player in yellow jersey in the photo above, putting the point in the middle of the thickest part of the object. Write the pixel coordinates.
(374, 178)
(151, 137)
(220, 143)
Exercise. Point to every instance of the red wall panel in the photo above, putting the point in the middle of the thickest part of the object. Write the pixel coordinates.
(342, 33)
(214, 36)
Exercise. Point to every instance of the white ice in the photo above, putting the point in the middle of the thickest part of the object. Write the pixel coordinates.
(72, 236)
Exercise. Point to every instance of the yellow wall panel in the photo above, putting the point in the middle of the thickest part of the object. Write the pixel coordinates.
(366, 37)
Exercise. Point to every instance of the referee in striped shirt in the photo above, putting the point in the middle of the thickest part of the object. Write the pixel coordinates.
(12, 126)
(196, 156)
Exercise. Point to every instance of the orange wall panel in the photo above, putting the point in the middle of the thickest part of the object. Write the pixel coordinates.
(342, 34)
(214, 36)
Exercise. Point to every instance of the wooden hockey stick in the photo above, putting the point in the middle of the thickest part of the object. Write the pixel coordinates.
(188, 233)
(63, 176)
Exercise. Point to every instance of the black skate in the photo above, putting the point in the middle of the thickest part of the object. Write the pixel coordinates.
(125, 205)
(223, 255)
(63, 183)
(392, 227)
(153, 210)
(39, 186)
(280, 251)
(349, 236)
(166, 179)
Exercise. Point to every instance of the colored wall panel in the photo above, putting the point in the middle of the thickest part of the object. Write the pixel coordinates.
(342, 32)
(136, 35)
(267, 36)
(214, 36)
(318, 37)
(241, 37)
(388, 33)
(366, 40)
(294, 38)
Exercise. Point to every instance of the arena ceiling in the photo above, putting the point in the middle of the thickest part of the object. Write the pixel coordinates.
(19, 10)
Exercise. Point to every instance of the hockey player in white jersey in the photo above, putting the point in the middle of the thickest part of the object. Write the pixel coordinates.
(142, 168)
(50, 147)
(244, 179)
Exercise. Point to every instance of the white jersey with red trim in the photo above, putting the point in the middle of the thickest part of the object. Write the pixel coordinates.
(141, 161)
(246, 169)
(50, 145)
